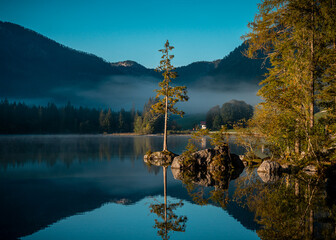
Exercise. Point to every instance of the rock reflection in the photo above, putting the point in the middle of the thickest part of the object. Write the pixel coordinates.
(289, 207)
(167, 220)
(198, 184)
(269, 177)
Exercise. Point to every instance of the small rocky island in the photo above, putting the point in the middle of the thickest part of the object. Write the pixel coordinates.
(218, 158)
(207, 167)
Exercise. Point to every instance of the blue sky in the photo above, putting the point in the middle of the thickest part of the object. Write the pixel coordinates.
(135, 30)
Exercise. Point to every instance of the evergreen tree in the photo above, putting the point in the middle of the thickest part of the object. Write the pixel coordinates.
(121, 121)
(108, 123)
(138, 124)
(170, 95)
(102, 121)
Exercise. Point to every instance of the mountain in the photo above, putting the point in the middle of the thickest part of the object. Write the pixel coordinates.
(231, 71)
(38, 70)
(30, 61)
(133, 68)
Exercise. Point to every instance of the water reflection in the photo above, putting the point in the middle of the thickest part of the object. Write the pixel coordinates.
(294, 207)
(50, 178)
(67, 149)
(283, 207)
(19, 150)
(205, 186)
(167, 220)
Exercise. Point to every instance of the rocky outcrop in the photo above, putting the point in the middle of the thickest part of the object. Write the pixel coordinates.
(212, 158)
(201, 159)
(163, 158)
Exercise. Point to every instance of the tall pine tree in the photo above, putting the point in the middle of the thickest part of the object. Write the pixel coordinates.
(168, 94)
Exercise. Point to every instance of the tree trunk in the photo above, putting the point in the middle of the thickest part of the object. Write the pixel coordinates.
(312, 72)
(165, 127)
(165, 190)
(165, 196)
(297, 139)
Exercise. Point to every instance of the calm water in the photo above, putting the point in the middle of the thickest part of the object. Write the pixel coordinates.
(98, 187)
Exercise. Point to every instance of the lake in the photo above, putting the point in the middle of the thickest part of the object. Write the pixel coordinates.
(98, 187)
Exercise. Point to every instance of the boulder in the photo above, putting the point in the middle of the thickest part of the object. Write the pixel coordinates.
(269, 167)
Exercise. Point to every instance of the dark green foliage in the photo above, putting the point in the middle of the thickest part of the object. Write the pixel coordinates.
(210, 116)
(148, 122)
(189, 121)
(19, 118)
(229, 114)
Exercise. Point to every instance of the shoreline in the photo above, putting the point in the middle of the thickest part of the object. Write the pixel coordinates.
(111, 134)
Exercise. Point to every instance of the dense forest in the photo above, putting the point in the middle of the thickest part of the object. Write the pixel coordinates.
(229, 114)
(19, 118)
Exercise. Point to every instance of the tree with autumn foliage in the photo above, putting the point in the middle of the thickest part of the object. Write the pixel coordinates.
(168, 94)
(297, 37)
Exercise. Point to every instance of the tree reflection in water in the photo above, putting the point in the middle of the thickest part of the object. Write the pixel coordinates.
(294, 207)
(285, 207)
(167, 220)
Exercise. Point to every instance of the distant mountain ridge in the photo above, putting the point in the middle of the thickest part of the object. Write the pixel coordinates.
(134, 68)
(35, 67)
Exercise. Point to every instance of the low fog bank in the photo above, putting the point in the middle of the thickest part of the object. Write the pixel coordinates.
(127, 91)
(201, 100)
(115, 93)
